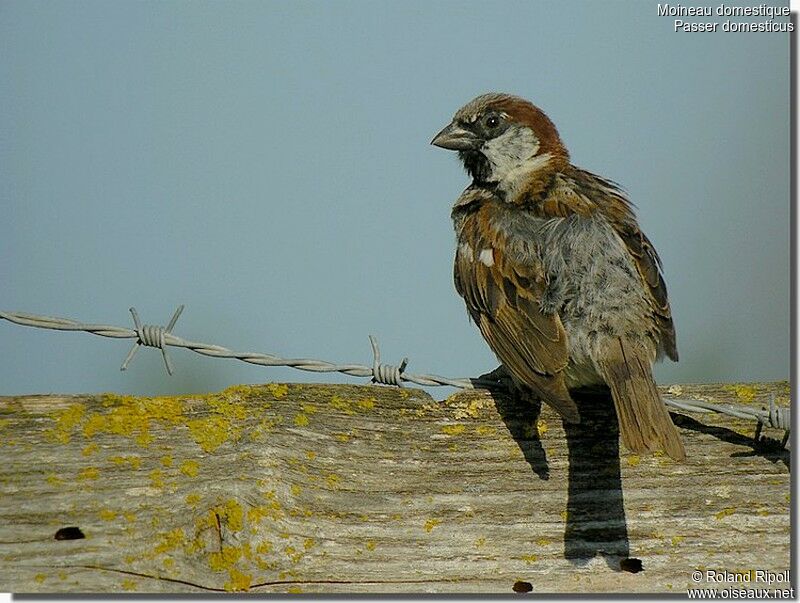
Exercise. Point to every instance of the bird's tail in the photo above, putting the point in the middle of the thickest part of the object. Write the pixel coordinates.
(644, 423)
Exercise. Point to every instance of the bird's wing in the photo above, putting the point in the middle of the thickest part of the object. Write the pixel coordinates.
(618, 210)
(503, 297)
(649, 266)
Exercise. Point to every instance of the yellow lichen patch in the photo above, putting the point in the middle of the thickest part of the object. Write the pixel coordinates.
(168, 562)
(431, 523)
(309, 409)
(541, 427)
(232, 514)
(333, 481)
(342, 404)
(135, 462)
(266, 565)
(308, 544)
(366, 404)
(238, 581)
(370, 545)
(294, 590)
(224, 559)
(192, 499)
(89, 473)
(485, 430)
(129, 516)
(676, 540)
(166, 460)
(473, 408)
(66, 420)
(157, 478)
(543, 541)
(278, 390)
(342, 437)
(265, 426)
(724, 513)
(633, 460)
(211, 432)
(480, 542)
(131, 416)
(39, 578)
(227, 407)
(240, 391)
(301, 420)
(530, 559)
(54, 480)
(264, 547)
(164, 408)
(295, 490)
(107, 515)
(256, 514)
(311, 455)
(89, 450)
(453, 430)
(564, 515)
(190, 468)
(745, 393)
(128, 584)
(169, 541)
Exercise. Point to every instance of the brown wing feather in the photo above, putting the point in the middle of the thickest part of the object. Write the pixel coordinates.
(503, 300)
(649, 266)
(619, 212)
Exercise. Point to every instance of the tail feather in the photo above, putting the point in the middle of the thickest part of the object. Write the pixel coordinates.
(644, 422)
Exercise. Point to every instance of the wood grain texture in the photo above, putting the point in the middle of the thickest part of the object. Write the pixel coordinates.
(339, 488)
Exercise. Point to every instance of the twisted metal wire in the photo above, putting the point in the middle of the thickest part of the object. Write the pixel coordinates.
(149, 335)
(386, 374)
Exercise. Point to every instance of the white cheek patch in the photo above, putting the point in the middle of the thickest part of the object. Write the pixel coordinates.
(487, 257)
(513, 157)
(511, 149)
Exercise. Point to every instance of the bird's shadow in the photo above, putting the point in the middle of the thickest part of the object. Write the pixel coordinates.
(595, 520)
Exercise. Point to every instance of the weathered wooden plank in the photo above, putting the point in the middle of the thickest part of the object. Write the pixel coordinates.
(341, 488)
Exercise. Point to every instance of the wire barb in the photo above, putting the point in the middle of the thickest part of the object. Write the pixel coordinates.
(777, 417)
(386, 374)
(153, 336)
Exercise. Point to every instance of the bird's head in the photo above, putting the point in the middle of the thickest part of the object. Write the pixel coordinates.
(504, 141)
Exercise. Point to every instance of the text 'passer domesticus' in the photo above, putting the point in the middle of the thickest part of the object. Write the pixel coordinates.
(554, 270)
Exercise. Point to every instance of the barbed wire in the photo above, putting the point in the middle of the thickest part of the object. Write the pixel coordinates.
(160, 337)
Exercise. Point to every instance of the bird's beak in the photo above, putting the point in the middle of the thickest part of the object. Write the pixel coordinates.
(456, 138)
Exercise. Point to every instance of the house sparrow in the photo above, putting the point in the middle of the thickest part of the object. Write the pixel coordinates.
(563, 285)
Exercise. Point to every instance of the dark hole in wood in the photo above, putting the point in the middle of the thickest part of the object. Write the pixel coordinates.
(522, 587)
(69, 533)
(631, 564)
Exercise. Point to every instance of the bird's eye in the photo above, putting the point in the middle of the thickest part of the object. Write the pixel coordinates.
(492, 121)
